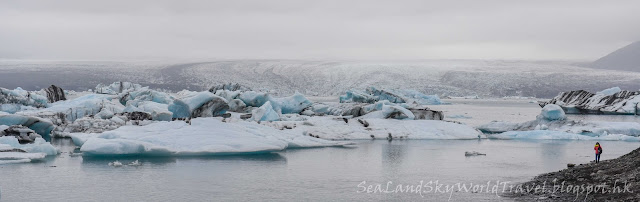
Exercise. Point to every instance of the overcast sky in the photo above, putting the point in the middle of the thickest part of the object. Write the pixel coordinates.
(318, 29)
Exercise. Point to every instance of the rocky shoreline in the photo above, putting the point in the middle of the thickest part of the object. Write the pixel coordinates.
(610, 180)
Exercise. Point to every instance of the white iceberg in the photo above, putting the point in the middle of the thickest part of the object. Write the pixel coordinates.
(336, 128)
(205, 136)
(38, 146)
(559, 135)
(265, 113)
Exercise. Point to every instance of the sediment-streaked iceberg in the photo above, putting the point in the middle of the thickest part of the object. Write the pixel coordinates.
(608, 101)
(117, 88)
(201, 104)
(372, 95)
(41, 126)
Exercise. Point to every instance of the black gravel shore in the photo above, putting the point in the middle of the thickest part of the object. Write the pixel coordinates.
(610, 180)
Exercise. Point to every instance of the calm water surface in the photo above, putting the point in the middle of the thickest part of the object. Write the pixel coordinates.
(300, 174)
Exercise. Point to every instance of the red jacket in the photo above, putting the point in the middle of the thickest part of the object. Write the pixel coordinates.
(596, 148)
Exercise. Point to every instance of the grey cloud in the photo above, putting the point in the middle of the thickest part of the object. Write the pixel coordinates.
(258, 29)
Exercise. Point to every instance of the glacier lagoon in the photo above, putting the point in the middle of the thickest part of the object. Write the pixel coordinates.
(298, 174)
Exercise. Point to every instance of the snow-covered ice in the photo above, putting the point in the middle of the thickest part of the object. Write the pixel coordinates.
(205, 136)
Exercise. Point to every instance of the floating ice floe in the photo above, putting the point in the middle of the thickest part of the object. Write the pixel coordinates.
(205, 136)
(473, 153)
(337, 128)
(559, 135)
(553, 124)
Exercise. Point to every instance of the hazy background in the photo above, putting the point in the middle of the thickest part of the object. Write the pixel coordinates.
(329, 29)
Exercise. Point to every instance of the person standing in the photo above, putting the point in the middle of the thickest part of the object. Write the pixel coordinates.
(598, 149)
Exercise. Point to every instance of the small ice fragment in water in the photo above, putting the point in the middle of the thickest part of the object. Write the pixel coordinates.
(473, 153)
(135, 163)
(115, 164)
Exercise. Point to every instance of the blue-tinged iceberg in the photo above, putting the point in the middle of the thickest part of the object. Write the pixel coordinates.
(265, 113)
(39, 146)
(42, 127)
(22, 97)
(198, 104)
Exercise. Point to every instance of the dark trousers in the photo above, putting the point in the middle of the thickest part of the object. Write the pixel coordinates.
(597, 158)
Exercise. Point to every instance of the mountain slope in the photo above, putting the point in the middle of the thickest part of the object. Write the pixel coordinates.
(626, 58)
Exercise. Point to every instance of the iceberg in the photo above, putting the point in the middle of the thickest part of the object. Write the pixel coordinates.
(336, 128)
(552, 119)
(69, 110)
(254, 99)
(202, 104)
(41, 126)
(372, 95)
(117, 88)
(229, 87)
(22, 133)
(265, 113)
(205, 136)
(559, 135)
(22, 97)
(290, 105)
(38, 146)
(553, 112)
(609, 101)
(54, 94)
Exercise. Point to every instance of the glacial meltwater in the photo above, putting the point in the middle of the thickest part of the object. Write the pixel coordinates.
(331, 174)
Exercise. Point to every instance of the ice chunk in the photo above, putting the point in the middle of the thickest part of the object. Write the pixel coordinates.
(205, 136)
(609, 91)
(327, 127)
(237, 105)
(357, 96)
(553, 112)
(290, 105)
(71, 110)
(38, 146)
(558, 135)
(158, 111)
(254, 99)
(202, 104)
(117, 88)
(265, 113)
(473, 153)
(54, 93)
(41, 126)
(22, 97)
(146, 94)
